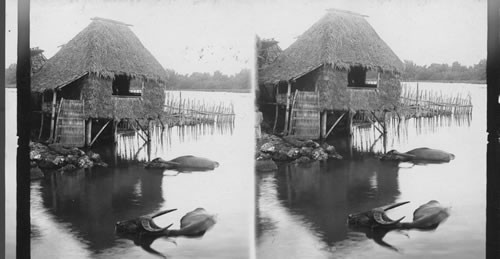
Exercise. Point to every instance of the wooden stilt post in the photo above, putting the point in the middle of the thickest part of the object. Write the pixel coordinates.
(323, 124)
(88, 137)
(53, 117)
(288, 93)
(56, 135)
(349, 122)
(150, 130)
(115, 131)
(41, 118)
(276, 110)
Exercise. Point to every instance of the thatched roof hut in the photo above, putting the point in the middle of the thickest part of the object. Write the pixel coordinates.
(341, 39)
(101, 65)
(339, 64)
(104, 48)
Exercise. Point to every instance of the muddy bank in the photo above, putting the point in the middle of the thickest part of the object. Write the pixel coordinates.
(44, 158)
(271, 149)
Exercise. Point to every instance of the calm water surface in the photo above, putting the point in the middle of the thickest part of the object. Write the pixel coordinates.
(302, 209)
(73, 214)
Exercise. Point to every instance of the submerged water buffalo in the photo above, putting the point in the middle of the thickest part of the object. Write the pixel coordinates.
(376, 224)
(420, 155)
(183, 164)
(143, 230)
(427, 216)
(194, 223)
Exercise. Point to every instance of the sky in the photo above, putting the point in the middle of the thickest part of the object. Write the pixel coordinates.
(186, 36)
(426, 32)
(209, 35)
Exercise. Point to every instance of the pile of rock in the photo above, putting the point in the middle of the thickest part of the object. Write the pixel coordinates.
(291, 149)
(57, 157)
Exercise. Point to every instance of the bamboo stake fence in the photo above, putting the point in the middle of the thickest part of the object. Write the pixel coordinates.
(428, 103)
(188, 111)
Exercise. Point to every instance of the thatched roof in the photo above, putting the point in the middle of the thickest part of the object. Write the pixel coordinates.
(105, 48)
(341, 39)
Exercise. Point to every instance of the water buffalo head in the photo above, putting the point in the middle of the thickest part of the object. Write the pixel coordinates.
(394, 155)
(142, 224)
(375, 217)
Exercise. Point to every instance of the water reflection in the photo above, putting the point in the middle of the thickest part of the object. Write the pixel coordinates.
(369, 139)
(91, 202)
(131, 146)
(323, 194)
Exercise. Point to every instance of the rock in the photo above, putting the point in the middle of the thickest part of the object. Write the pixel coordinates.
(310, 143)
(264, 156)
(71, 159)
(101, 164)
(36, 173)
(294, 141)
(267, 165)
(46, 164)
(94, 156)
(335, 156)
(306, 151)
(85, 162)
(59, 161)
(35, 155)
(77, 152)
(319, 154)
(293, 153)
(303, 159)
(267, 148)
(59, 149)
(68, 168)
(328, 148)
(280, 156)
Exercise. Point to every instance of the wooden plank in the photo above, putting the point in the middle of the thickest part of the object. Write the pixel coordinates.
(99, 133)
(335, 124)
(288, 92)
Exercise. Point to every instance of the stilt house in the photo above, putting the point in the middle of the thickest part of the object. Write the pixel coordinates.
(104, 74)
(339, 66)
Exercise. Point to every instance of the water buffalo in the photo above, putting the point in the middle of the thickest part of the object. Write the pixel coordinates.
(420, 155)
(183, 164)
(194, 223)
(143, 230)
(376, 224)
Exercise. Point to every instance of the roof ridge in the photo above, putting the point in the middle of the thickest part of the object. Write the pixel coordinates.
(109, 20)
(330, 10)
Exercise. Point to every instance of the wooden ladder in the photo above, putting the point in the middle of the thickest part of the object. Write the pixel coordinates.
(70, 124)
(305, 121)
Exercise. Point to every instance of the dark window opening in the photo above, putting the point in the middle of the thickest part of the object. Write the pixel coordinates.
(357, 77)
(121, 86)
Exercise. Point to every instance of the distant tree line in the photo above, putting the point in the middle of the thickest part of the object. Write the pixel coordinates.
(196, 81)
(445, 72)
(217, 81)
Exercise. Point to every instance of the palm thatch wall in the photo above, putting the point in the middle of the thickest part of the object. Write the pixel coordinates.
(86, 66)
(320, 59)
(335, 95)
